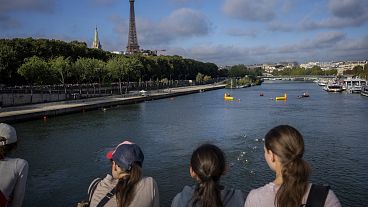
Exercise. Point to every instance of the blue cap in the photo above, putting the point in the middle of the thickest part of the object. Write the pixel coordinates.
(125, 154)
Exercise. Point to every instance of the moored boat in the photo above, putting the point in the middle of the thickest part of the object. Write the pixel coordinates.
(364, 91)
(355, 89)
(333, 87)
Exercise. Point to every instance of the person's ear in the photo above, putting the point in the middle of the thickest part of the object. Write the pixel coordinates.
(192, 173)
(114, 166)
(271, 155)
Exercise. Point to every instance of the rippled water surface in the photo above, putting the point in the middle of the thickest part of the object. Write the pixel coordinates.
(65, 153)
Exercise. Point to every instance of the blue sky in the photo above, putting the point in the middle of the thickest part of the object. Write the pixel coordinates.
(225, 32)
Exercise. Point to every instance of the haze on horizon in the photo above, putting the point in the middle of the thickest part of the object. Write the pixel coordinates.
(225, 32)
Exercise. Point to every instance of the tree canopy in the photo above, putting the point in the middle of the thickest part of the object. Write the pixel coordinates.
(73, 62)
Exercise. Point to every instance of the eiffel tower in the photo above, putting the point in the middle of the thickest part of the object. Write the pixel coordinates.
(133, 46)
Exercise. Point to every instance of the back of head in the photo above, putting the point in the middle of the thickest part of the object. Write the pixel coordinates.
(287, 143)
(8, 139)
(208, 163)
(129, 157)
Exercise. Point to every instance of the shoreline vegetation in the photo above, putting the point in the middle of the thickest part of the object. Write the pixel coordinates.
(42, 70)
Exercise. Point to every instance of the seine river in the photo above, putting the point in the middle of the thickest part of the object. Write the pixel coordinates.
(66, 153)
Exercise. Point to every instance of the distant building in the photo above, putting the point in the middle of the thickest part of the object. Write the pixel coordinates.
(340, 66)
(96, 42)
(349, 65)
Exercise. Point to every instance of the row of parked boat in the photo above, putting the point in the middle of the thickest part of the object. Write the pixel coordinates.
(352, 85)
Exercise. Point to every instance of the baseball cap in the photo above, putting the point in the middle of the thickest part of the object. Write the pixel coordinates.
(125, 154)
(8, 132)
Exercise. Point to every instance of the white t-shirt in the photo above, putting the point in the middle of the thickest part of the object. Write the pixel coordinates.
(265, 197)
(13, 178)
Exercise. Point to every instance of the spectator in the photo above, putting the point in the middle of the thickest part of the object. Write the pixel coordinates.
(126, 187)
(13, 171)
(207, 165)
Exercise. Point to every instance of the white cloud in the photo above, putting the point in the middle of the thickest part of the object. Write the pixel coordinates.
(281, 26)
(241, 32)
(183, 23)
(27, 5)
(9, 6)
(186, 22)
(348, 8)
(324, 46)
(250, 10)
(344, 13)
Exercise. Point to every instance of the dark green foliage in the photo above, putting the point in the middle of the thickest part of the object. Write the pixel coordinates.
(359, 71)
(36, 71)
(241, 71)
(73, 62)
(297, 71)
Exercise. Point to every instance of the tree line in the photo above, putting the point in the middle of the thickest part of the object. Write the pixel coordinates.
(300, 71)
(42, 61)
(358, 71)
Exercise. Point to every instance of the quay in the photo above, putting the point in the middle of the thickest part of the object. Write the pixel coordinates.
(38, 111)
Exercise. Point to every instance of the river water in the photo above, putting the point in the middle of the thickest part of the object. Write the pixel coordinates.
(65, 153)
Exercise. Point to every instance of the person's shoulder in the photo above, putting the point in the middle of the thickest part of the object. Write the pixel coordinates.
(270, 187)
(183, 197)
(17, 163)
(332, 200)
(233, 192)
(16, 160)
(258, 194)
(233, 197)
(186, 192)
(148, 181)
(21, 162)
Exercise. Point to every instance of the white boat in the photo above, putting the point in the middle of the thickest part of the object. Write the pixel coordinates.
(355, 89)
(322, 83)
(333, 87)
(354, 85)
(364, 91)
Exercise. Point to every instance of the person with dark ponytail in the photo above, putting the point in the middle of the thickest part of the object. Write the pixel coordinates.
(207, 165)
(125, 187)
(283, 151)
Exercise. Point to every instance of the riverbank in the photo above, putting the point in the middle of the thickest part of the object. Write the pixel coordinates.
(37, 111)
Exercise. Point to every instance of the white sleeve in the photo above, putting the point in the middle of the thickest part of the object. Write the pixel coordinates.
(20, 185)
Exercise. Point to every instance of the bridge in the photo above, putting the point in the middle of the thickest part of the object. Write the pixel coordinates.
(297, 78)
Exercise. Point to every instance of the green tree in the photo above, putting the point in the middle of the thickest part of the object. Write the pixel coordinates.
(199, 78)
(61, 68)
(207, 78)
(35, 70)
(7, 58)
(117, 69)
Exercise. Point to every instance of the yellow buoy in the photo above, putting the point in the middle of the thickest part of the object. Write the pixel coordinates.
(280, 98)
(227, 97)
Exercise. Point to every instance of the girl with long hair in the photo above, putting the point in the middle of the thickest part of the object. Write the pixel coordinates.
(283, 151)
(125, 187)
(207, 165)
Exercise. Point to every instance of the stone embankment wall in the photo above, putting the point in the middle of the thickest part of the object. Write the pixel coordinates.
(23, 99)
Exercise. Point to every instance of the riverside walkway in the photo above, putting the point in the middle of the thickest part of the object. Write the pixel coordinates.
(44, 110)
